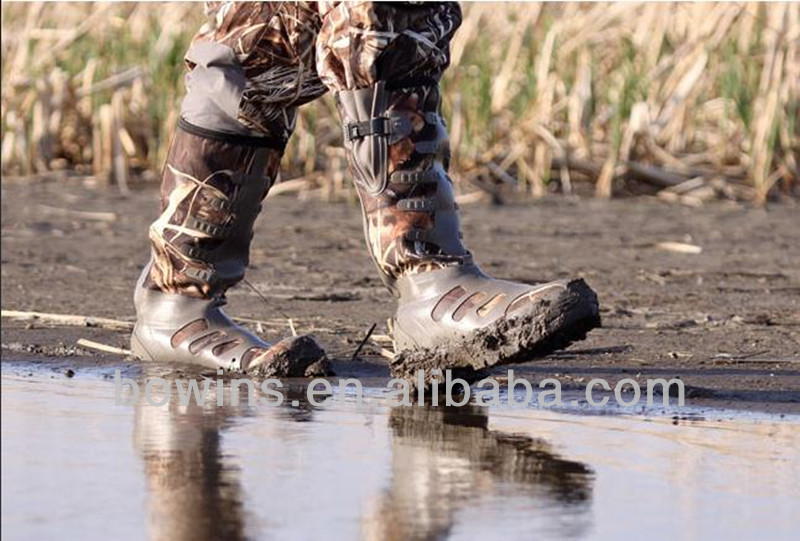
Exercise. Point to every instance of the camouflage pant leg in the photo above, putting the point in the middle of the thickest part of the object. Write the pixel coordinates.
(361, 43)
(288, 53)
(269, 68)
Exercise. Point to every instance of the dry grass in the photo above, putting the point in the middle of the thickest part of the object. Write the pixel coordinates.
(694, 101)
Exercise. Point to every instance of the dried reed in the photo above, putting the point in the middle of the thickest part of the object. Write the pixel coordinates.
(695, 101)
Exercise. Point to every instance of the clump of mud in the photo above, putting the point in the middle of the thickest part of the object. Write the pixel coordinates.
(295, 357)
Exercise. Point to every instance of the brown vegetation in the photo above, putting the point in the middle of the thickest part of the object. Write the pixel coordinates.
(695, 101)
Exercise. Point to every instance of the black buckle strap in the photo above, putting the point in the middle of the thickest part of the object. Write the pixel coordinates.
(204, 276)
(389, 125)
(218, 203)
(196, 252)
(428, 176)
(191, 251)
(417, 204)
(374, 126)
(212, 230)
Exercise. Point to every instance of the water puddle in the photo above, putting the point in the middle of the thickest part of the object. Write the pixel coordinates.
(76, 465)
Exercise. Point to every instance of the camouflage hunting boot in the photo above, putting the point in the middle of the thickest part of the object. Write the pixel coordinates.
(450, 314)
(212, 188)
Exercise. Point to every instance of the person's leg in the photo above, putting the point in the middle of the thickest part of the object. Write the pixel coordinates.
(251, 65)
(384, 62)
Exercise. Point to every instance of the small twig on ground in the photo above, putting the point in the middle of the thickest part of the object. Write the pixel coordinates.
(275, 322)
(83, 342)
(680, 247)
(92, 216)
(388, 354)
(334, 296)
(364, 341)
(69, 320)
(279, 322)
(308, 294)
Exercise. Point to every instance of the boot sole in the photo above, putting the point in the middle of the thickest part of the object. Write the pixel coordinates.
(546, 327)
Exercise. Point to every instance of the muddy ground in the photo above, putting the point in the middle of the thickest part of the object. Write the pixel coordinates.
(726, 320)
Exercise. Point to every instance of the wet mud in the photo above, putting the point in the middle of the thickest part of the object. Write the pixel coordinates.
(725, 320)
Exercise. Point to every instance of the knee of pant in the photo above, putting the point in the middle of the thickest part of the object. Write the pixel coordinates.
(214, 89)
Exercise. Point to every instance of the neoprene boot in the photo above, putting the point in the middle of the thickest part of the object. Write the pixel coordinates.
(212, 188)
(450, 314)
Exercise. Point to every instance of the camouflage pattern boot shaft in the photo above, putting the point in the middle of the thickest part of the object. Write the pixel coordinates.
(398, 152)
(211, 194)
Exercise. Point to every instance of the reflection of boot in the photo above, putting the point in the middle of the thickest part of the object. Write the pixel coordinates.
(194, 489)
(464, 431)
(446, 458)
(194, 484)
(212, 189)
(450, 313)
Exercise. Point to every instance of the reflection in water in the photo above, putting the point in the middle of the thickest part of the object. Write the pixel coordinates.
(194, 488)
(337, 472)
(445, 458)
(194, 491)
